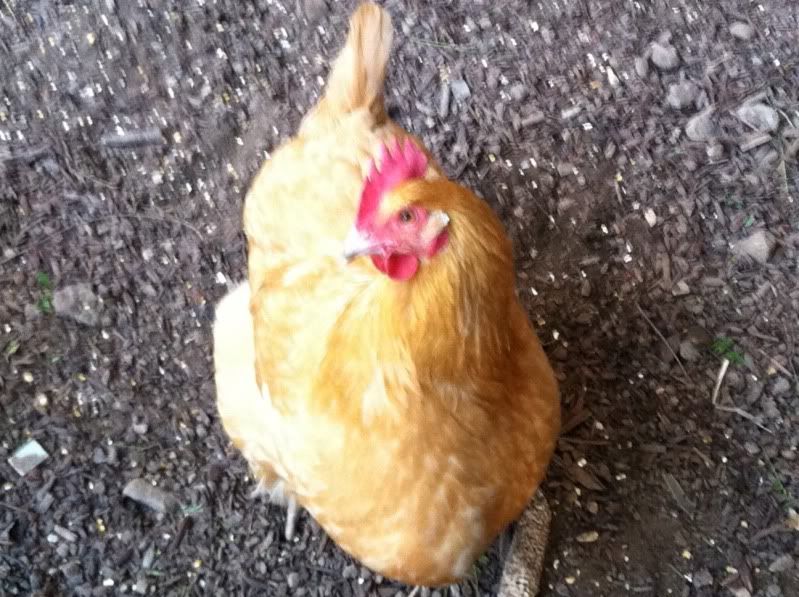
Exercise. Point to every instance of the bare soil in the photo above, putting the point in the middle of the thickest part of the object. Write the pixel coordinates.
(655, 224)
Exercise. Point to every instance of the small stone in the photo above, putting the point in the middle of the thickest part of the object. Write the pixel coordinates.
(147, 494)
(751, 448)
(140, 588)
(569, 113)
(443, 100)
(793, 519)
(460, 90)
(650, 217)
(77, 302)
(701, 126)
(98, 456)
(592, 507)
(613, 78)
(350, 571)
(688, 351)
(702, 578)
(641, 67)
(680, 288)
(65, 534)
(782, 564)
(781, 386)
(681, 95)
(757, 245)
(27, 457)
(518, 92)
(535, 117)
(665, 57)
(588, 537)
(742, 31)
(762, 118)
(565, 169)
(293, 580)
(715, 151)
(139, 425)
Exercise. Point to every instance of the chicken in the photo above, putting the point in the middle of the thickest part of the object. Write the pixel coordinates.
(377, 368)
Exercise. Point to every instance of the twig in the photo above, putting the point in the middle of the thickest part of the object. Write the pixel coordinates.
(776, 363)
(133, 139)
(666, 342)
(725, 364)
(742, 413)
(444, 46)
(160, 219)
(15, 508)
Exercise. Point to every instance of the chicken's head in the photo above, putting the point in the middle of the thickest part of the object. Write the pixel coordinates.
(391, 227)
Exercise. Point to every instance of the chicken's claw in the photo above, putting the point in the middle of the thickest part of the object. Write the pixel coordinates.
(277, 495)
(521, 573)
(291, 517)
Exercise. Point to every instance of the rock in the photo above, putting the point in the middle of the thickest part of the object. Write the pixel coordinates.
(443, 100)
(751, 448)
(760, 117)
(65, 534)
(701, 126)
(742, 31)
(665, 57)
(641, 67)
(535, 117)
(460, 90)
(77, 302)
(565, 169)
(569, 113)
(757, 245)
(782, 564)
(680, 288)
(651, 217)
(293, 580)
(715, 151)
(681, 95)
(688, 351)
(27, 457)
(587, 537)
(781, 386)
(147, 494)
(702, 578)
(518, 92)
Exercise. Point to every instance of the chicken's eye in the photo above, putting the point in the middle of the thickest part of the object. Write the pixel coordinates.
(406, 216)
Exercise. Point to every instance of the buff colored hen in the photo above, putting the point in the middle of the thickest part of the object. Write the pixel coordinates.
(377, 368)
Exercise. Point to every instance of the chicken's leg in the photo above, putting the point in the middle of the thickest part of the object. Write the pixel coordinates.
(521, 574)
(277, 494)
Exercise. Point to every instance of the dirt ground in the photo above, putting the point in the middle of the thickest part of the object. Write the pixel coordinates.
(643, 156)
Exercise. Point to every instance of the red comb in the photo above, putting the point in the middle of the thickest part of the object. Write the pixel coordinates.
(397, 165)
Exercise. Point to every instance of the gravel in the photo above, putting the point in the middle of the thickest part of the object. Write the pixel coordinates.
(152, 229)
(665, 57)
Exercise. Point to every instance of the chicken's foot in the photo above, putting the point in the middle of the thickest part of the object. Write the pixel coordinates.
(521, 573)
(277, 495)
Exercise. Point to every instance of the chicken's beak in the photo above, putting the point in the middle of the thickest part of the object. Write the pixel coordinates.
(357, 244)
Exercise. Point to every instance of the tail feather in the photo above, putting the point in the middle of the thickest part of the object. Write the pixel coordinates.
(359, 72)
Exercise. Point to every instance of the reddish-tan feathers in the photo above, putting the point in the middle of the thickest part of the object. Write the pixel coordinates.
(413, 419)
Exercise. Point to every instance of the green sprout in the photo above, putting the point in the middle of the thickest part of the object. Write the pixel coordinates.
(725, 348)
(45, 302)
